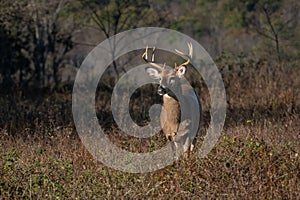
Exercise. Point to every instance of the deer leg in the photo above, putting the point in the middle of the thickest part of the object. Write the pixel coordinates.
(174, 150)
(171, 136)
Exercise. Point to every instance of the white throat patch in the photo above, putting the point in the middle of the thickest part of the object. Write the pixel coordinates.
(166, 95)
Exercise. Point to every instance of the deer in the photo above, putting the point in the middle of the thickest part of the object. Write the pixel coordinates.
(173, 90)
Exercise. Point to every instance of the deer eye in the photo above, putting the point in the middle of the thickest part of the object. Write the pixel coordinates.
(172, 80)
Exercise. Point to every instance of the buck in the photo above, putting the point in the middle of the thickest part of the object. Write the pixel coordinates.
(174, 89)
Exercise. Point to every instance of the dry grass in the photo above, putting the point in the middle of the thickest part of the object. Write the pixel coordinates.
(257, 156)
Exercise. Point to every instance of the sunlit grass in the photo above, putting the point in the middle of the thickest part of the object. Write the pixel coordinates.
(256, 157)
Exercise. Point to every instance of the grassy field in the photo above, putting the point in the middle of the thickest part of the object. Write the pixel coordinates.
(257, 156)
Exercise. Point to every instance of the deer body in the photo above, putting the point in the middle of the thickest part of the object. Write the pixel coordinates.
(177, 127)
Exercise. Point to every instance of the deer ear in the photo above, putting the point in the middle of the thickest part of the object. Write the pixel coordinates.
(152, 72)
(181, 71)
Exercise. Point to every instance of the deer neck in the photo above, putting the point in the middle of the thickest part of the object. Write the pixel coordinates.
(171, 96)
(170, 100)
(171, 108)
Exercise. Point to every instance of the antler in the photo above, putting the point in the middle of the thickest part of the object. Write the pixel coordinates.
(151, 62)
(188, 56)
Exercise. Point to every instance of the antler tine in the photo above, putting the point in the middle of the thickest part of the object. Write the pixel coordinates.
(190, 49)
(152, 58)
(188, 56)
(145, 57)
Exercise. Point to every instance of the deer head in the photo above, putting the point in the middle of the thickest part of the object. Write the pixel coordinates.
(169, 80)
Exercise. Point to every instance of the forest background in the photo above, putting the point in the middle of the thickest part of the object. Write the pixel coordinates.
(256, 46)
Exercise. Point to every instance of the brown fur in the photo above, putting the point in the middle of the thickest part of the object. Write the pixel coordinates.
(170, 117)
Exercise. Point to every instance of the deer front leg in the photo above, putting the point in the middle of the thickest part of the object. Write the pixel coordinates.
(184, 137)
(171, 136)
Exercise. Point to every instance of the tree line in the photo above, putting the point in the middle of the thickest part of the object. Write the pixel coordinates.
(39, 37)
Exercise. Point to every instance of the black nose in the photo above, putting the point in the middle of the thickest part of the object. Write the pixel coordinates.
(161, 90)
